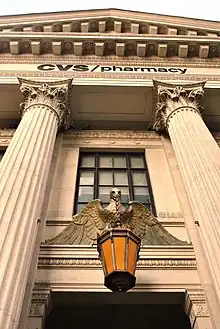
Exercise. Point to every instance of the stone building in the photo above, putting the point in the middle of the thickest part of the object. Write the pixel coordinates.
(97, 99)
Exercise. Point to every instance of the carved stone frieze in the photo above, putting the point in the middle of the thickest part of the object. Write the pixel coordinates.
(172, 99)
(113, 134)
(88, 263)
(53, 95)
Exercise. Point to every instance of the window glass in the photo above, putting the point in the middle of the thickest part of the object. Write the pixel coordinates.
(99, 172)
(141, 194)
(120, 178)
(85, 194)
(86, 178)
(119, 161)
(137, 162)
(105, 161)
(104, 193)
(88, 161)
(105, 178)
(139, 178)
(124, 194)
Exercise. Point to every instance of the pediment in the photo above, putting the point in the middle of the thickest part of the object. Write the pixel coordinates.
(109, 32)
(108, 20)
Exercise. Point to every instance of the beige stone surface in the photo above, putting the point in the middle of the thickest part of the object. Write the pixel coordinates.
(165, 197)
(64, 184)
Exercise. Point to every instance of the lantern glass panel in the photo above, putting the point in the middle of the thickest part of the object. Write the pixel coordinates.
(119, 245)
(107, 253)
(132, 254)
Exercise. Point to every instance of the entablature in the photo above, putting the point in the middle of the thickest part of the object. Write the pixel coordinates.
(120, 45)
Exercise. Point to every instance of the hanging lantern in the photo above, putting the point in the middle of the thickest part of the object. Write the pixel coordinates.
(118, 251)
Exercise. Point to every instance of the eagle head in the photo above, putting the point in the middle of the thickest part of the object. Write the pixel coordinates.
(115, 194)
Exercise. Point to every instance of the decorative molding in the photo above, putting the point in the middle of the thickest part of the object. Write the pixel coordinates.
(39, 303)
(7, 132)
(97, 134)
(196, 306)
(167, 214)
(92, 60)
(173, 99)
(86, 257)
(91, 263)
(136, 138)
(53, 95)
(93, 134)
(114, 77)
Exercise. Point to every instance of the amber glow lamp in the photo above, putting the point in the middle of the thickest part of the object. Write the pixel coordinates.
(118, 249)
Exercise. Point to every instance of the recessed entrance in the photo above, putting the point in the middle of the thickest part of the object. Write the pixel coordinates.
(117, 310)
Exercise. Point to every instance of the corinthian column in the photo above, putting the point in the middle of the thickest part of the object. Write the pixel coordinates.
(23, 178)
(198, 156)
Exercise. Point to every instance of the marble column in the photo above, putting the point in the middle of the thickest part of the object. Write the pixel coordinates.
(198, 156)
(23, 177)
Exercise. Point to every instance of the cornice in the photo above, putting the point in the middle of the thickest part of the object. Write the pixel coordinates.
(110, 44)
(13, 35)
(169, 257)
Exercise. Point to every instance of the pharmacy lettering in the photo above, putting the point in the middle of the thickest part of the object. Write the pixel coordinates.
(110, 69)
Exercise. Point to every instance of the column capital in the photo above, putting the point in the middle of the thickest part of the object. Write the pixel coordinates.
(195, 306)
(53, 94)
(172, 98)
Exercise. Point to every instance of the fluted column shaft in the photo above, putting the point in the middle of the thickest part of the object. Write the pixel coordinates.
(23, 178)
(198, 156)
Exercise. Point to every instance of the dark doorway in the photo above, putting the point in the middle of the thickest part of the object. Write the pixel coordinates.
(112, 311)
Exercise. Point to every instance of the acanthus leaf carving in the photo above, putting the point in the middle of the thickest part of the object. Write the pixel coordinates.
(54, 95)
(172, 98)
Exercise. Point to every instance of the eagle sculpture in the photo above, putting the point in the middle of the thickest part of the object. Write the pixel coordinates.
(94, 220)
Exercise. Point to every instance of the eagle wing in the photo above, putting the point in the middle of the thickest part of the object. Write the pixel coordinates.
(148, 228)
(84, 228)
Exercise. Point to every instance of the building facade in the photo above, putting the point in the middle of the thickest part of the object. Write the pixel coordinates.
(97, 99)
